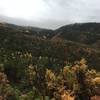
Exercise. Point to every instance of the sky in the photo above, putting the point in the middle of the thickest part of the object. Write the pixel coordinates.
(49, 13)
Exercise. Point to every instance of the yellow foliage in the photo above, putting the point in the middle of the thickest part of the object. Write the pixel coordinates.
(65, 70)
(50, 76)
(93, 71)
(83, 67)
(31, 67)
(82, 61)
(96, 80)
(75, 68)
(66, 96)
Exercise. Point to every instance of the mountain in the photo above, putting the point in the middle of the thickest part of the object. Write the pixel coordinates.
(68, 43)
(85, 33)
(26, 30)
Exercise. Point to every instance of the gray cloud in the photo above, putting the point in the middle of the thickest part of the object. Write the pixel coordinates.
(60, 12)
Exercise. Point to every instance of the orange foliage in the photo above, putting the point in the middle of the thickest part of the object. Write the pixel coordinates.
(66, 96)
(95, 98)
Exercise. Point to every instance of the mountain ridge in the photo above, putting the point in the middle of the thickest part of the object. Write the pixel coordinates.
(53, 44)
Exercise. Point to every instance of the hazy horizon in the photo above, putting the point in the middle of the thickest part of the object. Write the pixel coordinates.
(49, 13)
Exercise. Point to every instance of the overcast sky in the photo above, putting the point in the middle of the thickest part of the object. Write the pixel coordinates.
(49, 13)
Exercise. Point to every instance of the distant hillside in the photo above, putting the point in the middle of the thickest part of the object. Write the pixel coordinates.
(68, 43)
(85, 33)
(26, 30)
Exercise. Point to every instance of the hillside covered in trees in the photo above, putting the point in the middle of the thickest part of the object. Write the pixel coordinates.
(74, 82)
(42, 64)
(58, 46)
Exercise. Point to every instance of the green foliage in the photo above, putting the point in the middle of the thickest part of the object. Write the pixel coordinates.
(34, 65)
(36, 77)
